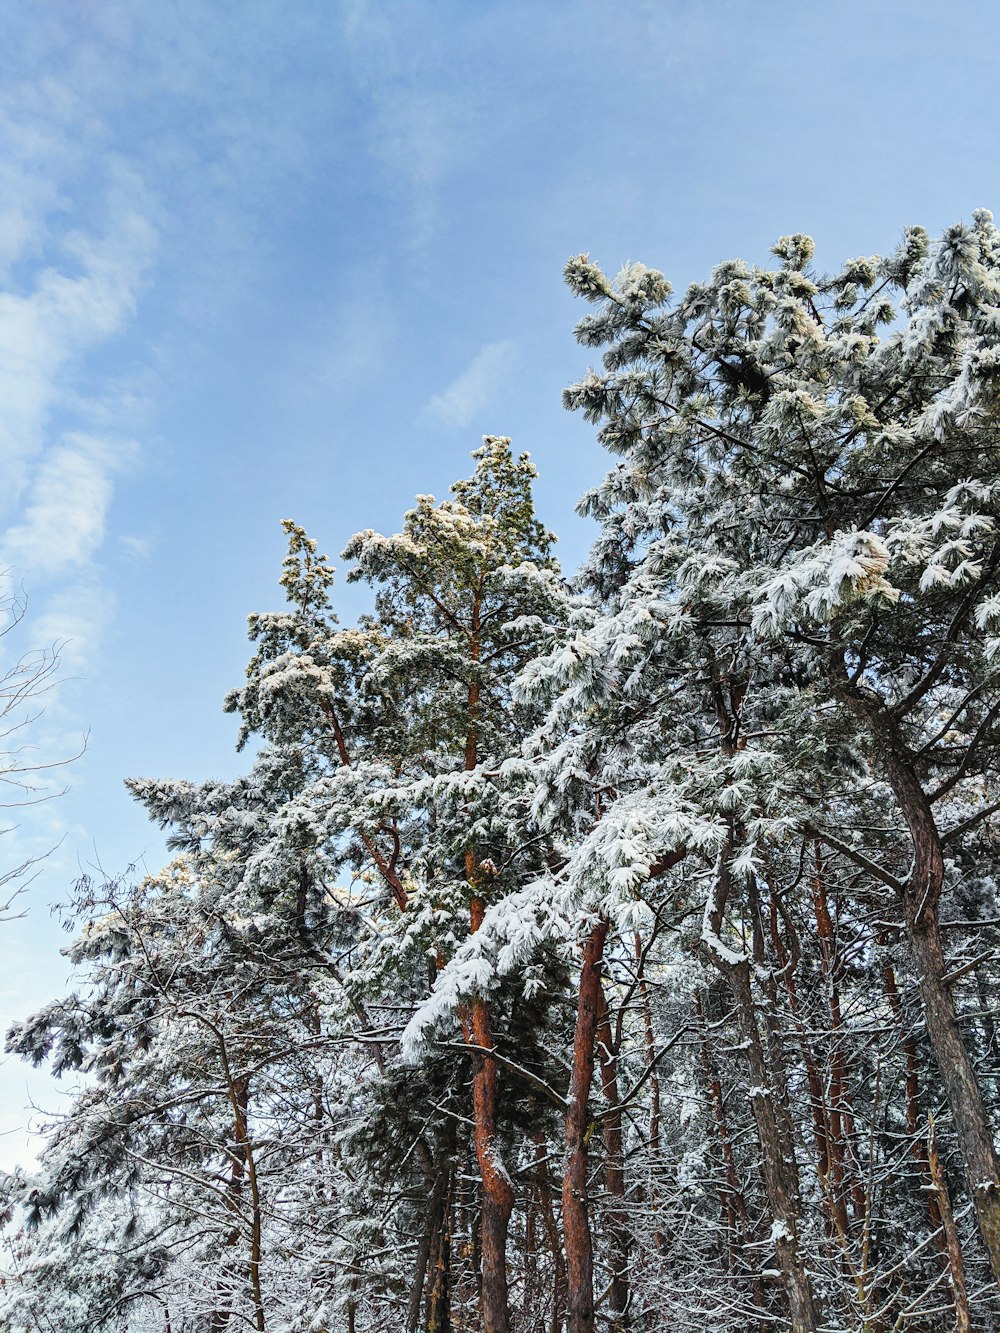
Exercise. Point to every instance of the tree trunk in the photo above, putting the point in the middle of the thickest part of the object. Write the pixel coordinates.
(918, 1147)
(778, 1162)
(921, 898)
(438, 1305)
(817, 1098)
(576, 1208)
(770, 1111)
(963, 1320)
(614, 1169)
(732, 1200)
(959, 1079)
(844, 1177)
(552, 1232)
(226, 1285)
(650, 1037)
(430, 1254)
(497, 1190)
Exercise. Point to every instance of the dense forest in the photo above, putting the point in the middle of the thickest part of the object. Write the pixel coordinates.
(609, 951)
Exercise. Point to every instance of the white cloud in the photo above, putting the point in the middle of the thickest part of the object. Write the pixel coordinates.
(63, 521)
(476, 387)
(44, 334)
(135, 548)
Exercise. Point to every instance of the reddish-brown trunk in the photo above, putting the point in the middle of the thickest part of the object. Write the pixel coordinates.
(241, 1172)
(497, 1190)
(498, 1193)
(576, 1207)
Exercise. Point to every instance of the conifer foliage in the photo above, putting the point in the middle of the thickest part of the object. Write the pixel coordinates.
(610, 956)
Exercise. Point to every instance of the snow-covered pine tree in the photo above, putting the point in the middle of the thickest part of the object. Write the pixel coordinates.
(799, 542)
(686, 880)
(468, 593)
(250, 959)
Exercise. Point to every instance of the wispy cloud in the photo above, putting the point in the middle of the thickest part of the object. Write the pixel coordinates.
(477, 386)
(72, 620)
(63, 521)
(134, 547)
(45, 333)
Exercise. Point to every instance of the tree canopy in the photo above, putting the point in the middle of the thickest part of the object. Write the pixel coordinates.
(614, 953)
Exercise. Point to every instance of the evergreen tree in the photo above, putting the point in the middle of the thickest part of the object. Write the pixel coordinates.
(611, 957)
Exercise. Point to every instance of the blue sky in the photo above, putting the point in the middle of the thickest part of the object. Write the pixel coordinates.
(263, 260)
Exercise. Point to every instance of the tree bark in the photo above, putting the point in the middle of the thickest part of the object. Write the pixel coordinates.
(647, 1025)
(438, 1305)
(918, 1147)
(576, 1206)
(732, 1200)
(921, 892)
(956, 1266)
(240, 1171)
(430, 1254)
(552, 1232)
(844, 1179)
(497, 1190)
(817, 1097)
(770, 1114)
(778, 1162)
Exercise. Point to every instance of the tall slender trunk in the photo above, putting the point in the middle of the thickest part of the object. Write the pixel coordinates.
(650, 1039)
(431, 1253)
(788, 962)
(921, 894)
(614, 1168)
(732, 1201)
(576, 1204)
(769, 1106)
(438, 1304)
(497, 1190)
(956, 1265)
(958, 1076)
(224, 1290)
(552, 1232)
(242, 1173)
(844, 1178)
(918, 1145)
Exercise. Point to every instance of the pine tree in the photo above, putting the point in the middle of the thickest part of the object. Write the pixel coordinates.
(800, 540)
(679, 882)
